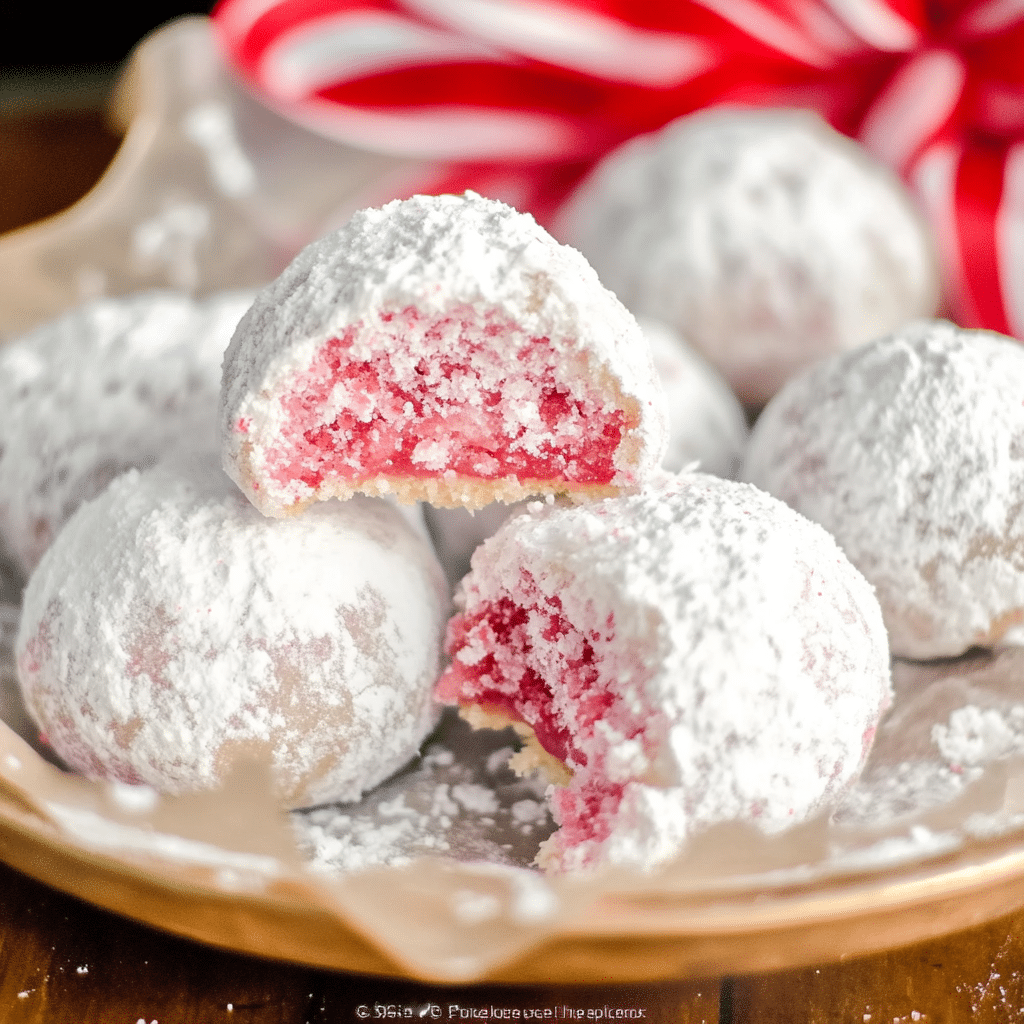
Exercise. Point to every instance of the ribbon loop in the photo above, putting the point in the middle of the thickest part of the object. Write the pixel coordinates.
(517, 98)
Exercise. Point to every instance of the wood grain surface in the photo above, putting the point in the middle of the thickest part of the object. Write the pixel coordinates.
(64, 961)
(975, 976)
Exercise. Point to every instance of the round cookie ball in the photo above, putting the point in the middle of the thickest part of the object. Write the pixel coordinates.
(706, 423)
(692, 654)
(764, 237)
(910, 451)
(109, 386)
(171, 629)
(444, 349)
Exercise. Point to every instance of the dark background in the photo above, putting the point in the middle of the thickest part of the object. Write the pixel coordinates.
(82, 33)
(57, 71)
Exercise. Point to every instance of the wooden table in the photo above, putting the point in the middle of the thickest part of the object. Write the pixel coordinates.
(65, 962)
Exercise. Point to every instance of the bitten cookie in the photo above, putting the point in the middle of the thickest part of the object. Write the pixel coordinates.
(688, 655)
(442, 348)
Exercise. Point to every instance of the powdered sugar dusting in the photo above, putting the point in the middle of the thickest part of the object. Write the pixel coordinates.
(908, 774)
(707, 425)
(171, 629)
(763, 236)
(649, 639)
(108, 386)
(911, 452)
(952, 720)
(512, 332)
(460, 800)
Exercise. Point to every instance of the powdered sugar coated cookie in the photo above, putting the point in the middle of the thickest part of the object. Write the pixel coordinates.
(695, 653)
(171, 628)
(442, 348)
(911, 452)
(763, 236)
(110, 385)
(706, 421)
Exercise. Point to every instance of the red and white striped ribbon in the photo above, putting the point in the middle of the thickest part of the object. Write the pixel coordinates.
(517, 98)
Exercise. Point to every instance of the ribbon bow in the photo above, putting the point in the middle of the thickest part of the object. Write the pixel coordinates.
(518, 98)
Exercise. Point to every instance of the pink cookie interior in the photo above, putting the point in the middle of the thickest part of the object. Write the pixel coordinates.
(365, 407)
(526, 641)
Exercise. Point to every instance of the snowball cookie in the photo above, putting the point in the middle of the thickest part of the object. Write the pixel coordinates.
(108, 386)
(763, 236)
(171, 628)
(706, 426)
(706, 421)
(910, 451)
(443, 348)
(691, 654)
